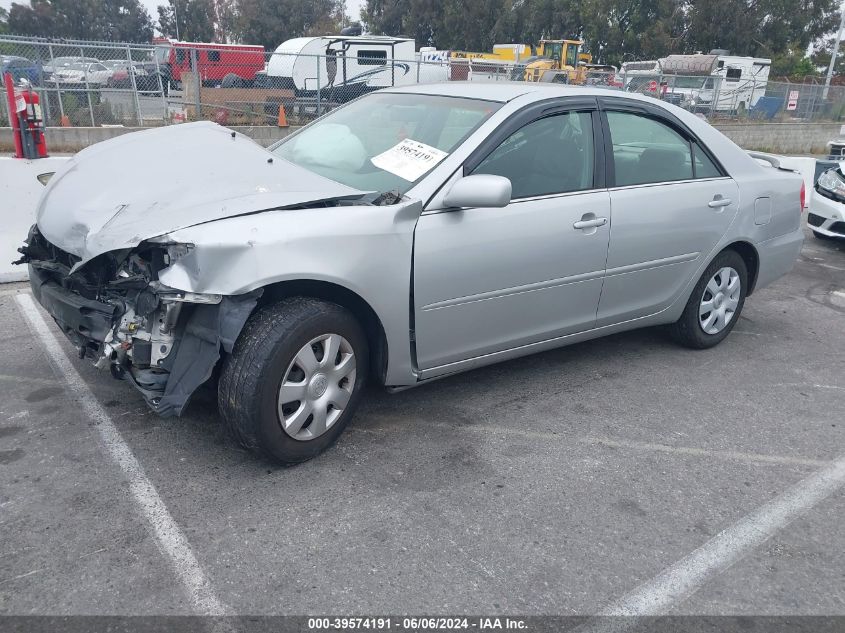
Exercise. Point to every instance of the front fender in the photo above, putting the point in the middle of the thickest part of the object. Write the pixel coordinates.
(365, 249)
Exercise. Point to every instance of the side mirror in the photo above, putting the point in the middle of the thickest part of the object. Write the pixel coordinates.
(479, 190)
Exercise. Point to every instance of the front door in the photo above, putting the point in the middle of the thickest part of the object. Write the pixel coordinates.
(487, 279)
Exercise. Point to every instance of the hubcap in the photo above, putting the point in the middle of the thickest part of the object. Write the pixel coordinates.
(719, 300)
(316, 387)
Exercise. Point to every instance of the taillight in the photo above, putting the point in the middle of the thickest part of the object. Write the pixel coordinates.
(803, 196)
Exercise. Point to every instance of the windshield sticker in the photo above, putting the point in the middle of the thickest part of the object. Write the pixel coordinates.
(409, 159)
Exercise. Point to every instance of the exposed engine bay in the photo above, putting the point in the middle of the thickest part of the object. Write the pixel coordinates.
(118, 314)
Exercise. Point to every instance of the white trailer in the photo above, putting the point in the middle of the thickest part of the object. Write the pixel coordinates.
(341, 68)
(743, 81)
(716, 82)
(638, 73)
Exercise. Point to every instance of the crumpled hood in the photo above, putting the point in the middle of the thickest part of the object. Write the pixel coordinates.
(118, 193)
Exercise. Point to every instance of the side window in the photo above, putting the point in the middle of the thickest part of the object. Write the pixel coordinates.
(646, 150)
(733, 75)
(704, 167)
(372, 58)
(180, 56)
(550, 155)
(213, 56)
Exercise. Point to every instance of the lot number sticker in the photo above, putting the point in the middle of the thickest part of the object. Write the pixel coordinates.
(409, 159)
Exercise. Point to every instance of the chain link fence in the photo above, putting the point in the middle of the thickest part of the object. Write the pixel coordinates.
(83, 83)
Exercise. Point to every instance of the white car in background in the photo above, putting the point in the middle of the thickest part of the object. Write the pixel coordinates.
(58, 63)
(92, 73)
(827, 218)
(118, 65)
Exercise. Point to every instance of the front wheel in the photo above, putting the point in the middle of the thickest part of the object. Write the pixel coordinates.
(294, 378)
(715, 303)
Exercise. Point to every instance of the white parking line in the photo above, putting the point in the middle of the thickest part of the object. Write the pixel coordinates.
(171, 540)
(685, 451)
(687, 575)
(703, 452)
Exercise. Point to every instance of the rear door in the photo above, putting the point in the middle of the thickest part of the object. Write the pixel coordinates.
(671, 202)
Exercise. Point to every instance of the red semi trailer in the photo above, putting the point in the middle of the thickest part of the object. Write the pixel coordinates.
(215, 62)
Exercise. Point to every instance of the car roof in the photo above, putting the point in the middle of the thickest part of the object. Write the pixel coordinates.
(504, 91)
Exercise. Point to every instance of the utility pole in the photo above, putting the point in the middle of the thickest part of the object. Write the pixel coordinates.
(834, 53)
(176, 18)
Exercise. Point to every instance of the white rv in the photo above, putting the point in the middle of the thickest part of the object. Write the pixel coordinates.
(341, 68)
(716, 82)
(637, 74)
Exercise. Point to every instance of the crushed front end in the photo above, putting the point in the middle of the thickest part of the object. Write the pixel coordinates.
(117, 313)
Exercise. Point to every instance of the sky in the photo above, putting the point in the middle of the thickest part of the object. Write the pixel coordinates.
(353, 7)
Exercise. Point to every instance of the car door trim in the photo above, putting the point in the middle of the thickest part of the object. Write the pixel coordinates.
(514, 290)
(456, 367)
(667, 182)
(652, 263)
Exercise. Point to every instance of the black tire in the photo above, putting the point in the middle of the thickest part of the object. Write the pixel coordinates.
(249, 382)
(232, 80)
(688, 330)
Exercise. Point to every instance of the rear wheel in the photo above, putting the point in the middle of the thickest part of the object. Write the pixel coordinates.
(715, 303)
(294, 379)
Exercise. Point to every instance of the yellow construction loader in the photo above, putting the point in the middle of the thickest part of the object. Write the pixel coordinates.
(563, 57)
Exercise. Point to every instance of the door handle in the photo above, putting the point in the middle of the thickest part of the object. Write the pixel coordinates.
(715, 203)
(589, 224)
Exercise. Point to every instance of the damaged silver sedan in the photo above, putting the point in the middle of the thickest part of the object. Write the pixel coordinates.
(409, 235)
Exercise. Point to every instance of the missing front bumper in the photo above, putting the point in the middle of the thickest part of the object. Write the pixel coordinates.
(200, 336)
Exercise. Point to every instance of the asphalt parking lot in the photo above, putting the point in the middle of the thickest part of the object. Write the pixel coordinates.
(555, 484)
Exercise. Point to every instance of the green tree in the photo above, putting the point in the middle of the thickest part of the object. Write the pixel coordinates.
(271, 22)
(117, 20)
(633, 29)
(4, 20)
(821, 57)
(190, 20)
(455, 24)
(762, 28)
(794, 64)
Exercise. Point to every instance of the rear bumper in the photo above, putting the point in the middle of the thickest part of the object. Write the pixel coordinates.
(85, 322)
(778, 256)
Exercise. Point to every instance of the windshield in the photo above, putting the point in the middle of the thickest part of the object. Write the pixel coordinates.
(553, 51)
(385, 142)
(572, 55)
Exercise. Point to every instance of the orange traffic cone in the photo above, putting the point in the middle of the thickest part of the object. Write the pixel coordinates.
(64, 121)
(283, 120)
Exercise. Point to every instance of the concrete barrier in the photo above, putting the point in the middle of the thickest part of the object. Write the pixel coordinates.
(778, 138)
(73, 139)
(19, 192)
(781, 138)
